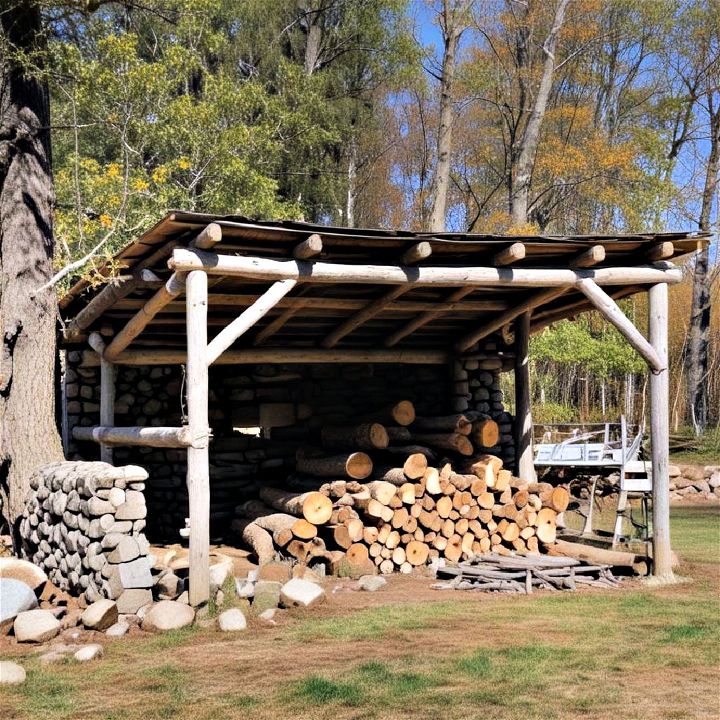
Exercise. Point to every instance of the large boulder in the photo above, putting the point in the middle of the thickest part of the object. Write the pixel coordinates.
(301, 593)
(168, 615)
(11, 673)
(36, 626)
(232, 620)
(24, 571)
(130, 601)
(15, 597)
(100, 615)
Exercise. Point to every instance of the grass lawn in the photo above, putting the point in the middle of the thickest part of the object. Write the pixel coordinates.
(409, 652)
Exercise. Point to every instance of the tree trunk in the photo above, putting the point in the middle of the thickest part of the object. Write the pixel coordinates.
(28, 432)
(699, 332)
(452, 24)
(527, 151)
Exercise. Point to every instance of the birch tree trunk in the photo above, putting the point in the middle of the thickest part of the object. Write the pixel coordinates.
(28, 433)
(452, 22)
(699, 333)
(521, 173)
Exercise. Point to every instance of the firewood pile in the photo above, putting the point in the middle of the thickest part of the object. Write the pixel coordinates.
(494, 572)
(397, 490)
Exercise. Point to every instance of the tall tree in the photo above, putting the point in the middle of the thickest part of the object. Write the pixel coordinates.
(453, 19)
(28, 433)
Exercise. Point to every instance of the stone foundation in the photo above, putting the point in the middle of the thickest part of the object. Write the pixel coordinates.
(84, 525)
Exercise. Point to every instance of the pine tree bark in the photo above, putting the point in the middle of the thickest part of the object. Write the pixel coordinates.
(699, 332)
(28, 431)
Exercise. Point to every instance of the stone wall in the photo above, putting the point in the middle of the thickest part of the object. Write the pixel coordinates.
(290, 402)
(694, 483)
(84, 525)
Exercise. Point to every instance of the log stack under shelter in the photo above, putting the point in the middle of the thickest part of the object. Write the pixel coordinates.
(229, 356)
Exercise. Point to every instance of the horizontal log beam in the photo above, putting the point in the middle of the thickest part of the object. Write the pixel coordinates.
(238, 327)
(172, 288)
(275, 355)
(323, 272)
(321, 303)
(176, 437)
(660, 251)
(587, 258)
(609, 309)
(310, 247)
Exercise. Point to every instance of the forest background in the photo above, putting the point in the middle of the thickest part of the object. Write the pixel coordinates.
(571, 116)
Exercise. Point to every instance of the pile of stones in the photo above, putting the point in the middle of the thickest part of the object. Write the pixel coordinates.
(83, 525)
(694, 483)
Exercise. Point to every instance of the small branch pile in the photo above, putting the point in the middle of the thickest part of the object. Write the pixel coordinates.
(494, 572)
(407, 512)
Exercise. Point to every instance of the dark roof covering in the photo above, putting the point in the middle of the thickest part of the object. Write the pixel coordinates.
(277, 239)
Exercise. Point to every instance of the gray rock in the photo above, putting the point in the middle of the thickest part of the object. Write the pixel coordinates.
(301, 593)
(89, 652)
(371, 583)
(134, 574)
(168, 615)
(131, 511)
(116, 496)
(169, 586)
(268, 615)
(100, 615)
(244, 588)
(130, 601)
(11, 673)
(119, 629)
(98, 507)
(125, 551)
(232, 620)
(15, 597)
(36, 626)
(122, 526)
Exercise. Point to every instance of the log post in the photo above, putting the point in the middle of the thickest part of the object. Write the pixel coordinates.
(659, 434)
(198, 471)
(523, 416)
(107, 393)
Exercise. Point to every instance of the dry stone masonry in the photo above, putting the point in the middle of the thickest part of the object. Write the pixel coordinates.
(84, 526)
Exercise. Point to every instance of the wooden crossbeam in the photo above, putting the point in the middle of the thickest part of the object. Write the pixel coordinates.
(142, 436)
(273, 355)
(187, 259)
(416, 323)
(172, 288)
(415, 254)
(266, 302)
(527, 305)
(611, 312)
(308, 248)
(660, 251)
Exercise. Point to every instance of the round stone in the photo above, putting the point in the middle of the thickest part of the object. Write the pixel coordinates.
(11, 673)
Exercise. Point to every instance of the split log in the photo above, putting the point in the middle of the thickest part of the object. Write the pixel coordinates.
(356, 465)
(486, 433)
(367, 436)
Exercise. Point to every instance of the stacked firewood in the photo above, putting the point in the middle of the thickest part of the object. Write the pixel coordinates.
(424, 493)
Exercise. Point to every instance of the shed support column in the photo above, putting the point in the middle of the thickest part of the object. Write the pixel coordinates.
(523, 417)
(198, 473)
(660, 434)
(107, 404)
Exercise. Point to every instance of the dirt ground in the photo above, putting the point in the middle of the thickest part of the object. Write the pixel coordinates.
(411, 651)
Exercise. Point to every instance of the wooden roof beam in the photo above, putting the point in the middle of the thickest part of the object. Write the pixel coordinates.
(418, 252)
(660, 251)
(509, 255)
(416, 323)
(529, 304)
(274, 355)
(307, 249)
(588, 258)
(186, 259)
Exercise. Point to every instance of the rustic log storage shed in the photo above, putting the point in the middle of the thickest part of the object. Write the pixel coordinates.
(201, 290)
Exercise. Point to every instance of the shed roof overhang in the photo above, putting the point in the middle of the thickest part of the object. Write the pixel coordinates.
(370, 291)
